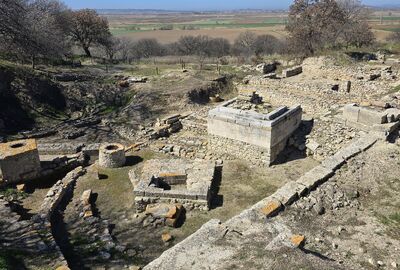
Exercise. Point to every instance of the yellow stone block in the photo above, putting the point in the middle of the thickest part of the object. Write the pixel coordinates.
(297, 240)
(166, 237)
(271, 208)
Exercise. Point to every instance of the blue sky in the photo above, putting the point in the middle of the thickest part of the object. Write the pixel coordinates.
(197, 4)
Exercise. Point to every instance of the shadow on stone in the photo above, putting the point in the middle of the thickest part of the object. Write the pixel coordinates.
(217, 199)
(296, 147)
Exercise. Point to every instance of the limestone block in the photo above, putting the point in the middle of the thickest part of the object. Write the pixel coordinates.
(297, 240)
(349, 151)
(289, 193)
(19, 161)
(315, 177)
(85, 198)
(334, 162)
(290, 72)
(351, 112)
(272, 208)
(369, 117)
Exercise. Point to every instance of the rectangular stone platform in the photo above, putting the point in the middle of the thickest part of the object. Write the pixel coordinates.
(251, 135)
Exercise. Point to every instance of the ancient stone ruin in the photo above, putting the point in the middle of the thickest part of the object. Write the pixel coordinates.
(112, 155)
(172, 181)
(290, 72)
(19, 160)
(373, 119)
(245, 133)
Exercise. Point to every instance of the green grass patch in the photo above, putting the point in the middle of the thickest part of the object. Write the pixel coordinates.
(12, 192)
(391, 29)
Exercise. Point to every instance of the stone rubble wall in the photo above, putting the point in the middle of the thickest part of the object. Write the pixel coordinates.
(269, 206)
(237, 149)
(55, 195)
(290, 72)
(197, 194)
(59, 148)
(29, 236)
(61, 164)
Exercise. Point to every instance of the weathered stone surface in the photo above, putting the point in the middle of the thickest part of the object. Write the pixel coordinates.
(290, 72)
(315, 177)
(23, 155)
(272, 208)
(159, 178)
(297, 240)
(86, 196)
(57, 192)
(112, 155)
(166, 237)
(266, 132)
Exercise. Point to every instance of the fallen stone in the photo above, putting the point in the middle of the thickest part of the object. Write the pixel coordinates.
(166, 237)
(88, 214)
(21, 187)
(86, 195)
(272, 208)
(63, 267)
(297, 240)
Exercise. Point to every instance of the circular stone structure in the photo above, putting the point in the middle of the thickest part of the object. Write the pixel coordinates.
(112, 155)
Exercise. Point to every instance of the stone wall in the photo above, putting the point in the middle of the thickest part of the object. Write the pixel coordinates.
(238, 149)
(290, 72)
(196, 179)
(214, 230)
(33, 238)
(57, 192)
(267, 132)
(383, 122)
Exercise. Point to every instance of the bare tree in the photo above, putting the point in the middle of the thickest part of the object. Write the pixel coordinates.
(267, 44)
(395, 37)
(188, 45)
(219, 47)
(12, 13)
(88, 29)
(245, 44)
(313, 24)
(146, 48)
(125, 46)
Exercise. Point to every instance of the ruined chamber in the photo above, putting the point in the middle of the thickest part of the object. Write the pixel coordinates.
(247, 134)
(174, 181)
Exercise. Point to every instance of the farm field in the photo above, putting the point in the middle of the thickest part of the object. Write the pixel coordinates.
(169, 27)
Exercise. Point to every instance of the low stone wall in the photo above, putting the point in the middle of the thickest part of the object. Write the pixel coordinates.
(55, 195)
(290, 72)
(237, 149)
(56, 164)
(60, 148)
(196, 179)
(29, 236)
(270, 206)
(382, 122)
